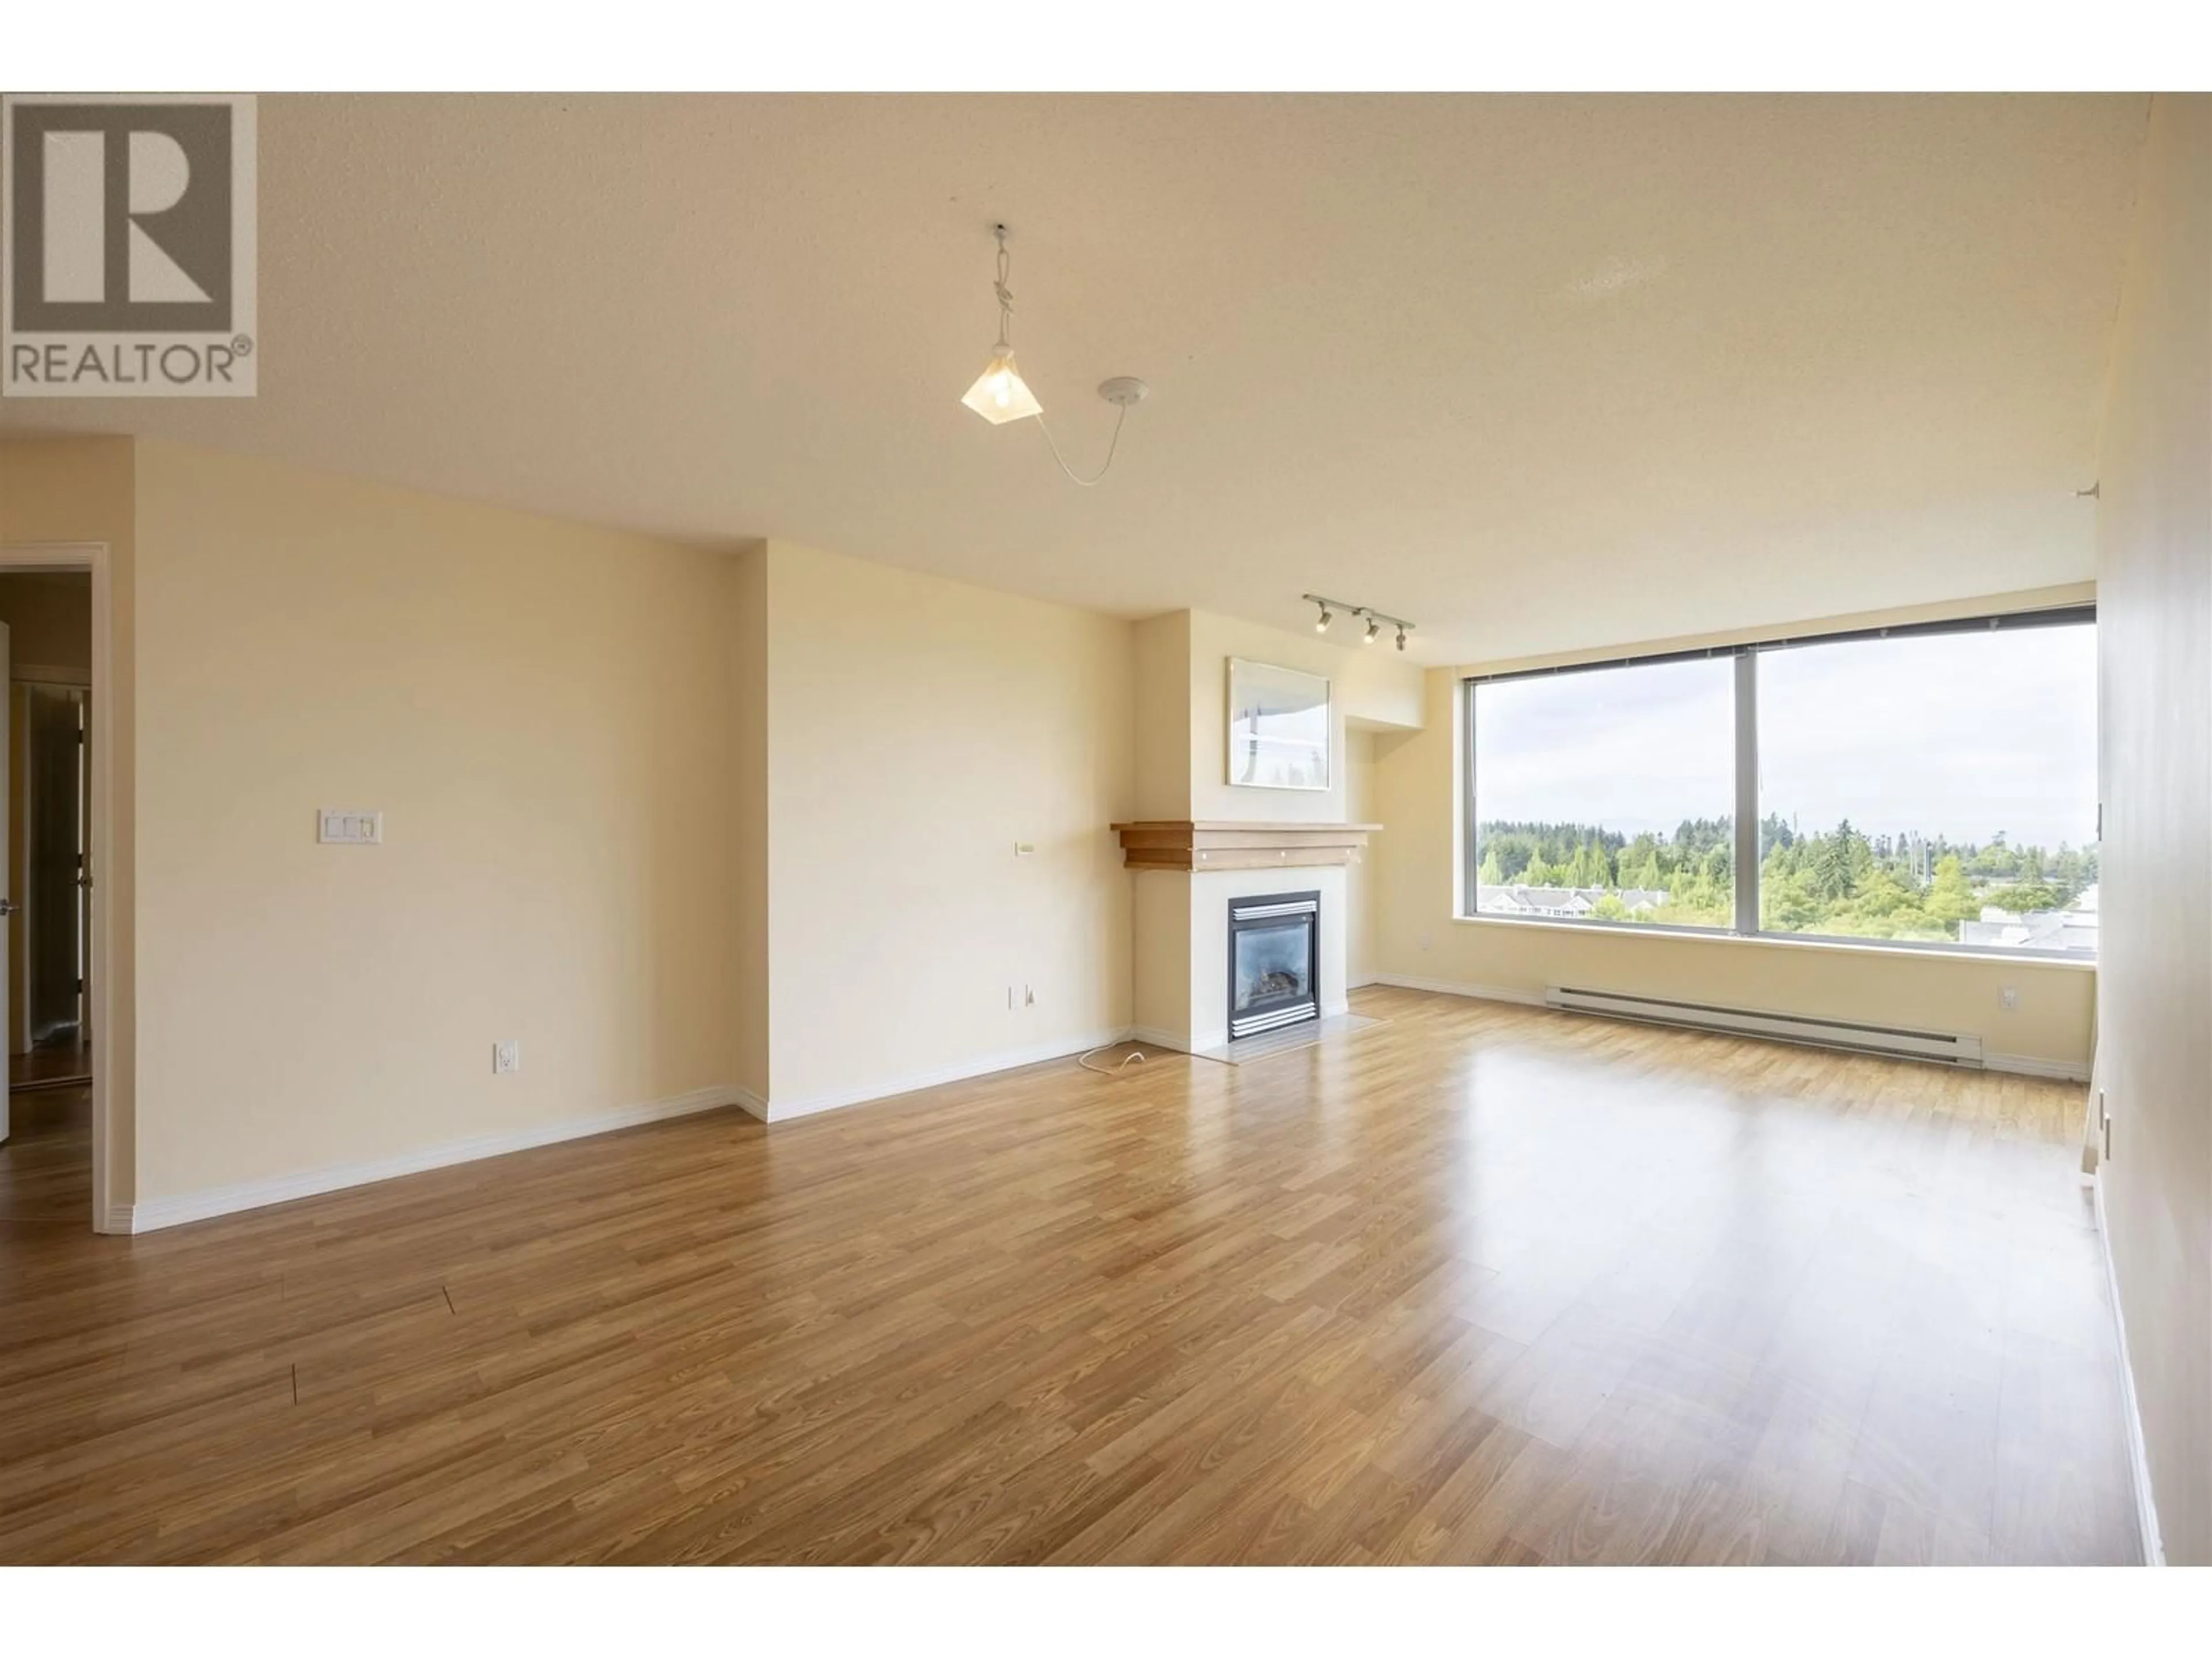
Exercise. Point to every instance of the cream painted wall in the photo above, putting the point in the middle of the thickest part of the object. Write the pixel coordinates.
(918, 729)
(2155, 583)
(749, 803)
(1160, 947)
(1371, 683)
(1422, 939)
(82, 490)
(1163, 729)
(1362, 923)
(542, 711)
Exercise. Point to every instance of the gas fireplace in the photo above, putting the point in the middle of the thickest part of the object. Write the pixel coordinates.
(1274, 962)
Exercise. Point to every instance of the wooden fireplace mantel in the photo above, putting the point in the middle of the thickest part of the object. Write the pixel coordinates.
(1213, 844)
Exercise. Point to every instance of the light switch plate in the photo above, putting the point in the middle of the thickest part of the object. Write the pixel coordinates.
(340, 827)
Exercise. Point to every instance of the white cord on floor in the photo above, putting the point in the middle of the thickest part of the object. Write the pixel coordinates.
(1135, 1057)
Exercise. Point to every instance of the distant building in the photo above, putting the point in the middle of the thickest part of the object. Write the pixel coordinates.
(1567, 902)
(2073, 929)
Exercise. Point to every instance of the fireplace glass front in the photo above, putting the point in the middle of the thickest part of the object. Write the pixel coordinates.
(1273, 962)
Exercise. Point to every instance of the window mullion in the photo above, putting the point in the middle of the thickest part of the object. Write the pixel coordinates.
(1747, 792)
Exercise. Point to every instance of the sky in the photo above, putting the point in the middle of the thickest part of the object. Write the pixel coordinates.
(1961, 735)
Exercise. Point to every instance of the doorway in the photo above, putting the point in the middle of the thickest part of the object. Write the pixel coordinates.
(51, 727)
(52, 1138)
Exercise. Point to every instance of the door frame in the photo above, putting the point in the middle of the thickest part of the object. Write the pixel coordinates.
(22, 558)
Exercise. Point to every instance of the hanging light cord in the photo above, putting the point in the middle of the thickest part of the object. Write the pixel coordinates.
(1005, 343)
(1006, 295)
(1073, 477)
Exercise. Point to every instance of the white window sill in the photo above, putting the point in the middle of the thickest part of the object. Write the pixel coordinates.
(1782, 942)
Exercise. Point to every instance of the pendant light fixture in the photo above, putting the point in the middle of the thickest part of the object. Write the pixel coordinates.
(1000, 395)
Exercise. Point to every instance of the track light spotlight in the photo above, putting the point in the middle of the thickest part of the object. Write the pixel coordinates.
(1376, 621)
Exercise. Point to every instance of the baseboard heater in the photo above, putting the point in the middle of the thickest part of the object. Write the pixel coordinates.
(1945, 1047)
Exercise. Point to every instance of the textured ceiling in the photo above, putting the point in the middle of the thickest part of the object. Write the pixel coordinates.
(1538, 371)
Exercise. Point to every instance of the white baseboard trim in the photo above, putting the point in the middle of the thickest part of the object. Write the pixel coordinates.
(120, 1219)
(782, 1110)
(1154, 1036)
(149, 1215)
(2153, 1546)
(2069, 1071)
(1452, 987)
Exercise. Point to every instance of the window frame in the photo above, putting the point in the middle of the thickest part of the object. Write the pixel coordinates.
(1745, 655)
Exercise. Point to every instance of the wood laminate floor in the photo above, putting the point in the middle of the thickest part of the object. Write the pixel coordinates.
(55, 1064)
(1482, 1284)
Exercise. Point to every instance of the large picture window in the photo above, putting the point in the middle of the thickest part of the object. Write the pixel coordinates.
(1608, 795)
(1932, 786)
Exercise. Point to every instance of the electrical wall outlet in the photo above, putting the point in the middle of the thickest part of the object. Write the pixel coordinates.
(2009, 996)
(505, 1056)
(343, 828)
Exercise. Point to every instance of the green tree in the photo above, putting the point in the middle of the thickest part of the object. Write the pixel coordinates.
(1839, 863)
(1786, 907)
(2023, 896)
(1950, 896)
(1589, 867)
(1882, 896)
(1639, 864)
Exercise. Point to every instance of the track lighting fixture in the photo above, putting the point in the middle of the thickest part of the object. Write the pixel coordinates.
(1374, 619)
(1000, 395)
